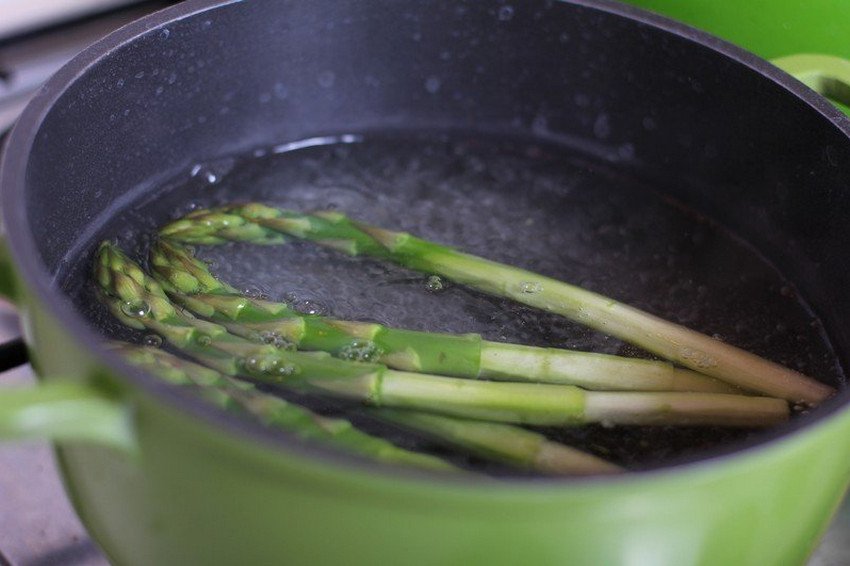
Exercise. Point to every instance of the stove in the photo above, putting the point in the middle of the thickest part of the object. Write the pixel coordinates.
(38, 526)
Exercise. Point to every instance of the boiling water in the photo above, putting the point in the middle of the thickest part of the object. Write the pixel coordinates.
(537, 207)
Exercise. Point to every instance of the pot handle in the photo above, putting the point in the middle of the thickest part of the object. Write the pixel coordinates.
(827, 75)
(64, 410)
(61, 409)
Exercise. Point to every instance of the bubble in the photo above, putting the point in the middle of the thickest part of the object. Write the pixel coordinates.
(136, 309)
(698, 358)
(602, 126)
(252, 364)
(286, 369)
(310, 306)
(214, 171)
(280, 91)
(255, 292)
(278, 368)
(530, 287)
(152, 340)
(327, 79)
(432, 84)
(275, 339)
(269, 366)
(434, 283)
(361, 351)
(564, 37)
(626, 151)
(540, 124)
(506, 13)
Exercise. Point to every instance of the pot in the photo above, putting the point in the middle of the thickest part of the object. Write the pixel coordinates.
(159, 477)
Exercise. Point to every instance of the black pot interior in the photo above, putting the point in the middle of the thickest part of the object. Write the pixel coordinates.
(714, 132)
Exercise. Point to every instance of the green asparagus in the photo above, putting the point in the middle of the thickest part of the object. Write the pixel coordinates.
(503, 443)
(666, 339)
(140, 302)
(228, 392)
(189, 282)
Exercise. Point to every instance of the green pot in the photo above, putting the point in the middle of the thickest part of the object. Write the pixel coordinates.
(158, 477)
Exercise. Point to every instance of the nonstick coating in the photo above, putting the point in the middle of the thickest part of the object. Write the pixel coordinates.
(724, 134)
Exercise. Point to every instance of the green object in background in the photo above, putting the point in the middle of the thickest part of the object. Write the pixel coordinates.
(772, 29)
(768, 28)
(825, 74)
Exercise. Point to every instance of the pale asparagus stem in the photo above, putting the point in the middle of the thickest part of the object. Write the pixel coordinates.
(592, 370)
(503, 443)
(226, 391)
(666, 339)
(124, 282)
(541, 404)
(190, 282)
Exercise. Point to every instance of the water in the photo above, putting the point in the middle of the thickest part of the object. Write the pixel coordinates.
(535, 206)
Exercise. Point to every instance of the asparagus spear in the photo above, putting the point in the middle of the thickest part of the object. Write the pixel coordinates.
(190, 283)
(503, 443)
(227, 392)
(666, 339)
(139, 301)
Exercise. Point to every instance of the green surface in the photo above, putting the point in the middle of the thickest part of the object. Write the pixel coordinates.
(768, 28)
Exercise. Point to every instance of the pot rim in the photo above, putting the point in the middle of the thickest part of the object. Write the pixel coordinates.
(35, 277)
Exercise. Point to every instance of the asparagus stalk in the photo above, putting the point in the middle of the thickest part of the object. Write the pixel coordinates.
(228, 392)
(190, 283)
(503, 443)
(139, 301)
(666, 339)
